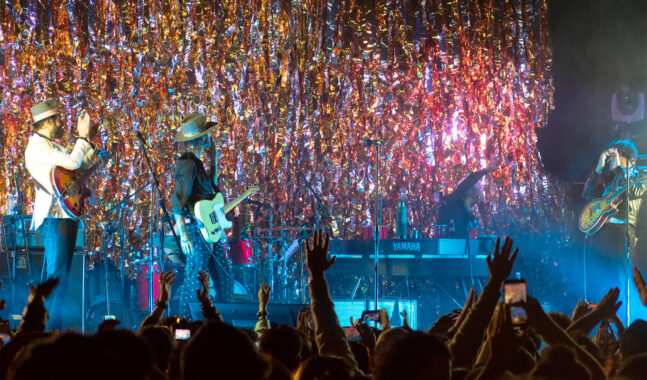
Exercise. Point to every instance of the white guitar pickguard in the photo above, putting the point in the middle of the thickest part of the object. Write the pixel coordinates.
(222, 219)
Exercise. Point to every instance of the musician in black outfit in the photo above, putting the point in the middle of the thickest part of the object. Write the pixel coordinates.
(455, 210)
(192, 184)
(605, 253)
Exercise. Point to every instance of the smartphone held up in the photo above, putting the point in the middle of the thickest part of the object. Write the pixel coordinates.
(515, 295)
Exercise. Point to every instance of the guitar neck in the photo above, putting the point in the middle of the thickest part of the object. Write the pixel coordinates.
(90, 172)
(231, 205)
(622, 190)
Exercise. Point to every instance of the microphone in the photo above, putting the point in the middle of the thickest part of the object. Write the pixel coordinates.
(369, 142)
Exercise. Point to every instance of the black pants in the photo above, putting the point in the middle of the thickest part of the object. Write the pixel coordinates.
(204, 258)
(59, 237)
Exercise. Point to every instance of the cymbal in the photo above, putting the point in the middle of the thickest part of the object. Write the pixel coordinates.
(282, 229)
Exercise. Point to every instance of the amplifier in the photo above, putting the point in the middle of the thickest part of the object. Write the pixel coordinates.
(12, 234)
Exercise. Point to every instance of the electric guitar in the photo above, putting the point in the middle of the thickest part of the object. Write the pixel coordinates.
(598, 211)
(69, 186)
(211, 213)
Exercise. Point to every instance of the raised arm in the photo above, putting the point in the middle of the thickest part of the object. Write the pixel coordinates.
(329, 335)
(34, 317)
(606, 310)
(465, 344)
(209, 312)
(166, 280)
(553, 334)
(263, 323)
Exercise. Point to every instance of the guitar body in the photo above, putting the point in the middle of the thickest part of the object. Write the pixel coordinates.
(211, 213)
(207, 213)
(72, 200)
(597, 212)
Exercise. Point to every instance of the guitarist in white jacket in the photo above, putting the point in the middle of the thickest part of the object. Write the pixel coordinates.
(58, 231)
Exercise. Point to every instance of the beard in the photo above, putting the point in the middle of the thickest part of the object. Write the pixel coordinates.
(58, 131)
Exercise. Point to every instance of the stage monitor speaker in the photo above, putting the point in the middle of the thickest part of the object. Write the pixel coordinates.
(74, 297)
(244, 314)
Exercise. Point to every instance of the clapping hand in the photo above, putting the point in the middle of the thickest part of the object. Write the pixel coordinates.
(203, 292)
(609, 305)
(166, 280)
(581, 309)
(317, 253)
(500, 264)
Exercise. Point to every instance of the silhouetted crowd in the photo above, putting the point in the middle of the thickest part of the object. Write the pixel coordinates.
(483, 341)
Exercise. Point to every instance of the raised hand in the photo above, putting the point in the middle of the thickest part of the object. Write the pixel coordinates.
(203, 292)
(305, 322)
(263, 296)
(641, 285)
(45, 289)
(444, 323)
(405, 321)
(500, 264)
(166, 280)
(501, 333)
(472, 296)
(366, 333)
(317, 253)
(609, 305)
(581, 309)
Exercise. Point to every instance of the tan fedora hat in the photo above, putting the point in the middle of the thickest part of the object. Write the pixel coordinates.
(194, 126)
(43, 110)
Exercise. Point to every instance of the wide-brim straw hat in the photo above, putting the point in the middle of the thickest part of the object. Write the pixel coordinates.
(194, 126)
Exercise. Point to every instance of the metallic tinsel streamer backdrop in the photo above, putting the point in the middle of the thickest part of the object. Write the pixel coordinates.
(296, 85)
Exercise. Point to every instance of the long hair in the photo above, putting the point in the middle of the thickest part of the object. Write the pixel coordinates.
(195, 144)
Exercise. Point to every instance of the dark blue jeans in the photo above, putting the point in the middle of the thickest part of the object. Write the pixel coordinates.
(59, 238)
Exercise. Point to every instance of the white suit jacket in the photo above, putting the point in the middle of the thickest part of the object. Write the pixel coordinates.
(41, 155)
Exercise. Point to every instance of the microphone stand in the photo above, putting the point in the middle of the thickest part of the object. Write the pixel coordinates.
(122, 230)
(318, 201)
(378, 217)
(630, 163)
(156, 193)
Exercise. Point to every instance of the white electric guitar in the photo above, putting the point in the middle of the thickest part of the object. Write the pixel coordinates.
(211, 213)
